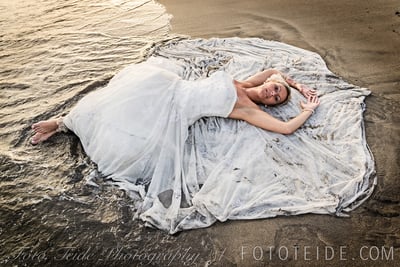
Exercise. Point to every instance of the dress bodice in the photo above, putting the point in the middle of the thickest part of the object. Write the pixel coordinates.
(211, 96)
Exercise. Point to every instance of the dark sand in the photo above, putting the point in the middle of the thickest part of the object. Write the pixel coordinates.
(360, 41)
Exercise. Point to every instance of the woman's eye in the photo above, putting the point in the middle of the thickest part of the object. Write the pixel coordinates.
(277, 98)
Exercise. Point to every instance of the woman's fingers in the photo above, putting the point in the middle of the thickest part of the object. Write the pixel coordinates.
(312, 102)
(314, 99)
(307, 91)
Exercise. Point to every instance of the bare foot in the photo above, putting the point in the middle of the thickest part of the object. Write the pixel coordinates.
(45, 126)
(40, 137)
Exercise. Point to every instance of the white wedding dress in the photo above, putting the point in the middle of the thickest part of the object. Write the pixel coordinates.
(159, 132)
(135, 128)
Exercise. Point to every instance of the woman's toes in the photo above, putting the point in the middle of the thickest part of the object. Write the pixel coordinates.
(41, 137)
(35, 127)
(35, 139)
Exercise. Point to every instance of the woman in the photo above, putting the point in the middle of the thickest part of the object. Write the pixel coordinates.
(137, 132)
(269, 87)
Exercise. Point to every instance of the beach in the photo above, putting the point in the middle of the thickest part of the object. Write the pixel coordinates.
(54, 211)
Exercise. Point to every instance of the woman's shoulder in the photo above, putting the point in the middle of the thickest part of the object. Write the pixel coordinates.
(242, 97)
(243, 103)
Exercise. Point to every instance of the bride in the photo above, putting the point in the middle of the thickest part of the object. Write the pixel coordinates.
(269, 87)
(136, 127)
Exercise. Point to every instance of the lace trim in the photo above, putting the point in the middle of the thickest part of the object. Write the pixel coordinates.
(61, 126)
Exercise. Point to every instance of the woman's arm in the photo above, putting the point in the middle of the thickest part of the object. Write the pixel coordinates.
(262, 76)
(259, 78)
(303, 89)
(259, 118)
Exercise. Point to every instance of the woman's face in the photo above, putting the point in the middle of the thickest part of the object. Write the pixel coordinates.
(272, 93)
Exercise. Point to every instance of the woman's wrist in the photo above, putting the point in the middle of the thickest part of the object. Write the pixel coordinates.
(292, 83)
(296, 85)
(308, 109)
(299, 87)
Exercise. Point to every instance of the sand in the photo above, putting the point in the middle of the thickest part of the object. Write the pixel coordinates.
(360, 41)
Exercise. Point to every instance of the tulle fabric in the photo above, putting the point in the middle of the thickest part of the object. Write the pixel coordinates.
(135, 130)
(160, 132)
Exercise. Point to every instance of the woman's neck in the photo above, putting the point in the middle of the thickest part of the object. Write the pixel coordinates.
(252, 93)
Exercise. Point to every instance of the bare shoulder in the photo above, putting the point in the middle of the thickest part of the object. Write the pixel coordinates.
(243, 105)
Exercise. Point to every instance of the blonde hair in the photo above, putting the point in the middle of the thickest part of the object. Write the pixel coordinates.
(278, 78)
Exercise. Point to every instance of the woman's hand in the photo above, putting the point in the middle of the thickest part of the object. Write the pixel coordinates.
(306, 91)
(312, 103)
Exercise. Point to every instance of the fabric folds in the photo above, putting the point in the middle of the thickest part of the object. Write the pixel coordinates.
(159, 131)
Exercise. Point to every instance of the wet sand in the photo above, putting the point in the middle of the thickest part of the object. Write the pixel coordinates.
(360, 41)
(88, 225)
